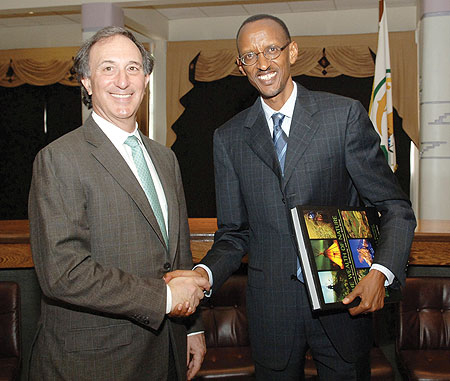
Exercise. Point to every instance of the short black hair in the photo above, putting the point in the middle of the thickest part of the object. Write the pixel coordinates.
(264, 17)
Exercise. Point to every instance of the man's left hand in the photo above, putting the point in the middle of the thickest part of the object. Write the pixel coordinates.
(196, 350)
(371, 291)
(181, 310)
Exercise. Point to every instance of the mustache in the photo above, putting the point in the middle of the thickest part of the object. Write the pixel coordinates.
(266, 70)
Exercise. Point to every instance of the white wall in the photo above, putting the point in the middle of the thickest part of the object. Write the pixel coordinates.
(45, 36)
(158, 121)
(299, 24)
(154, 24)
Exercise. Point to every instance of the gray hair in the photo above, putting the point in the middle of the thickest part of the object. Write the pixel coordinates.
(81, 60)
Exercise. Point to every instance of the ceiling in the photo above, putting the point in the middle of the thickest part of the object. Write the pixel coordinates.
(188, 10)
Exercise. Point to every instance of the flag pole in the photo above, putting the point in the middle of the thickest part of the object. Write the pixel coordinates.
(380, 9)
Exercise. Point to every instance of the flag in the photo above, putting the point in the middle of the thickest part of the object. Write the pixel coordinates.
(380, 110)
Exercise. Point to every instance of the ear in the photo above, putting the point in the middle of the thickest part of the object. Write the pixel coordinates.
(293, 52)
(87, 85)
(240, 67)
(147, 78)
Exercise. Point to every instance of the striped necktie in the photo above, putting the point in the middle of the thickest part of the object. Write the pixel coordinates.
(147, 183)
(279, 139)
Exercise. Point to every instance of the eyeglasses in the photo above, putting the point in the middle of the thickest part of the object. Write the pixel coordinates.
(271, 52)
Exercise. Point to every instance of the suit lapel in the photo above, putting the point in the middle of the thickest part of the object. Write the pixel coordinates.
(171, 197)
(303, 129)
(259, 139)
(113, 162)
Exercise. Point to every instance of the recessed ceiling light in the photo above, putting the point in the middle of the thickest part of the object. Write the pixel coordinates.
(31, 13)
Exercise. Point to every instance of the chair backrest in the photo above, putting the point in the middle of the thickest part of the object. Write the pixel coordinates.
(9, 320)
(425, 314)
(224, 315)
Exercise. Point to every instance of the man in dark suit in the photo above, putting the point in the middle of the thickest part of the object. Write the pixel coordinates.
(107, 221)
(332, 158)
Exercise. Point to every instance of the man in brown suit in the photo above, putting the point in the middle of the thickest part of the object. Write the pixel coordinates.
(107, 221)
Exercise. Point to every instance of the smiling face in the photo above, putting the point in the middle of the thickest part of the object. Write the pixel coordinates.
(272, 79)
(117, 81)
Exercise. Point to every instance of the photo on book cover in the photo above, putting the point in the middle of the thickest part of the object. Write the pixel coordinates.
(334, 285)
(327, 254)
(362, 251)
(356, 223)
(319, 224)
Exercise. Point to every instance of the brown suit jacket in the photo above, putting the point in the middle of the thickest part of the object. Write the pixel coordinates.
(100, 257)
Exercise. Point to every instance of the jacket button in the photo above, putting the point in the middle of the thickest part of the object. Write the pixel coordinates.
(167, 266)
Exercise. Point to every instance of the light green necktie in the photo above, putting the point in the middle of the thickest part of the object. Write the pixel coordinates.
(147, 182)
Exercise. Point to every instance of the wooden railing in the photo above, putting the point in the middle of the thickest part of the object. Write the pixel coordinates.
(15, 249)
(431, 245)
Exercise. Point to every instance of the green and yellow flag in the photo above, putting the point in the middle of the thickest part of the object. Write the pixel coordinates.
(380, 110)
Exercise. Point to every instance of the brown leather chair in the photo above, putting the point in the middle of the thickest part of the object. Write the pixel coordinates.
(423, 340)
(226, 332)
(9, 331)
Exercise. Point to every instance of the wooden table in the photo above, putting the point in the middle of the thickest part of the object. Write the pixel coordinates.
(202, 236)
(431, 245)
(15, 249)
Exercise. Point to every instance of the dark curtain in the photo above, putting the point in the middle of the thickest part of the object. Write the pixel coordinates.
(63, 110)
(23, 135)
(209, 104)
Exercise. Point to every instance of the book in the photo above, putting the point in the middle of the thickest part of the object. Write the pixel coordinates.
(336, 248)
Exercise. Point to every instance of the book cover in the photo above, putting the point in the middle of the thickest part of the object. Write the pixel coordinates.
(336, 248)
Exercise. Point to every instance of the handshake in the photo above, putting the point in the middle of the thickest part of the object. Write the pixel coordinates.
(188, 287)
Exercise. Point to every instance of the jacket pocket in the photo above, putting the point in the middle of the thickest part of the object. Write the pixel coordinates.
(91, 339)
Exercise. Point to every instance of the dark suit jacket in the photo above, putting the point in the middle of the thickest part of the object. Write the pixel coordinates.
(100, 257)
(333, 158)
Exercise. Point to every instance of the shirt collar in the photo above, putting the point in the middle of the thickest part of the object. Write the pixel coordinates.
(287, 109)
(114, 133)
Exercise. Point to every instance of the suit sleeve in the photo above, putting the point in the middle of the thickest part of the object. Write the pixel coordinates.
(60, 241)
(194, 323)
(378, 186)
(231, 238)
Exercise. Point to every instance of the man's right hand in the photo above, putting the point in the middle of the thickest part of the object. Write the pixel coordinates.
(186, 273)
(187, 289)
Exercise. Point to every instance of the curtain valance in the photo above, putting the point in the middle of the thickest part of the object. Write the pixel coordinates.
(319, 56)
(39, 67)
(355, 61)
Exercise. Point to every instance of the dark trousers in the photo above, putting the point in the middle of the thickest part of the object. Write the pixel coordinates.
(172, 371)
(309, 333)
